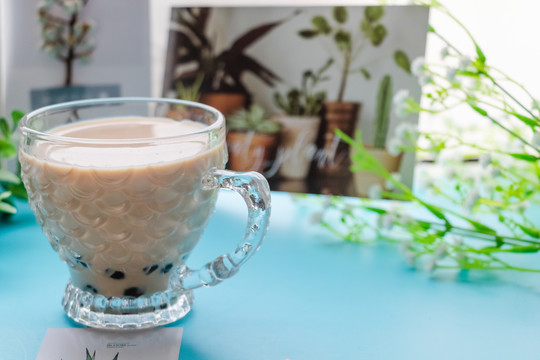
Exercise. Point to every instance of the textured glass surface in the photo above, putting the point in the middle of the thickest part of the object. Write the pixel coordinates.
(126, 231)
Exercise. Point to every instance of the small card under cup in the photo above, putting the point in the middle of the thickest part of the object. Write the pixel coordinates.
(83, 344)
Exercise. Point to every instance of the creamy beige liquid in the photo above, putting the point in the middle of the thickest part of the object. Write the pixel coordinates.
(122, 216)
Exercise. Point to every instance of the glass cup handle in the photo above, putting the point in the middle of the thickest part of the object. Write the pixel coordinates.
(255, 191)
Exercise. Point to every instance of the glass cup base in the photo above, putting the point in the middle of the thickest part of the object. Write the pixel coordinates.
(128, 313)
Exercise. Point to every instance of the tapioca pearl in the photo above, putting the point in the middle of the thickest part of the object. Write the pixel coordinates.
(150, 269)
(112, 178)
(166, 268)
(134, 292)
(115, 274)
(90, 289)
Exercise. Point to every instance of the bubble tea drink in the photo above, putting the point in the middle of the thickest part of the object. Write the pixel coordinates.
(123, 192)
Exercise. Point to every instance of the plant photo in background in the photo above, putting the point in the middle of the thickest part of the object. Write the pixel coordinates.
(483, 184)
(66, 37)
(296, 63)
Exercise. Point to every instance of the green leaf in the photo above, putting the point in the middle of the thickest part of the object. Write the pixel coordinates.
(435, 211)
(366, 73)
(374, 13)
(18, 190)
(5, 195)
(340, 14)
(378, 35)
(527, 120)
(480, 54)
(7, 208)
(8, 177)
(4, 128)
(16, 116)
(526, 157)
(7, 149)
(402, 60)
(375, 210)
(308, 33)
(321, 24)
(480, 227)
(524, 249)
(530, 231)
(478, 110)
(343, 39)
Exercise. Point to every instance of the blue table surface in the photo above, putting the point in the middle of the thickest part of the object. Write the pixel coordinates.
(304, 295)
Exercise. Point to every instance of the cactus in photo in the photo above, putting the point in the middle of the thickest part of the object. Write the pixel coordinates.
(382, 112)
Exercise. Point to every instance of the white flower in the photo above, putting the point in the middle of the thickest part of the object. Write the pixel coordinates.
(400, 102)
(440, 250)
(472, 198)
(445, 52)
(406, 130)
(451, 74)
(394, 146)
(536, 139)
(389, 184)
(431, 264)
(485, 160)
(458, 240)
(375, 191)
(464, 63)
(386, 221)
(424, 80)
(418, 66)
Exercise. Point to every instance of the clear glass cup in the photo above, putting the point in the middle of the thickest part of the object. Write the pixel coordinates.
(124, 212)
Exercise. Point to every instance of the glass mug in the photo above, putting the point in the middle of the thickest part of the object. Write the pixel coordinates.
(123, 193)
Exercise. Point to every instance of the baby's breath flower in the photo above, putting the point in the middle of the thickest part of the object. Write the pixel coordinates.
(418, 66)
(451, 74)
(394, 146)
(424, 79)
(445, 52)
(464, 63)
(472, 198)
(388, 184)
(536, 139)
(375, 191)
(485, 160)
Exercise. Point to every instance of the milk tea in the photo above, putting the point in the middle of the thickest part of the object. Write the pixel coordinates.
(123, 215)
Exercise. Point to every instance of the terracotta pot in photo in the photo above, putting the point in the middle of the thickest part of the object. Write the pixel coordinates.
(297, 146)
(343, 116)
(226, 103)
(364, 180)
(250, 151)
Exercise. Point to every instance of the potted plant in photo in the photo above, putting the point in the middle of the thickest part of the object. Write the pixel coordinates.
(301, 120)
(365, 180)
(252, 139)
(342, 114)
(196, 53)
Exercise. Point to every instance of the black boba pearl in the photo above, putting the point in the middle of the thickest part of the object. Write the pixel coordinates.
(91, 289)
(133, 291)
(115, 274)
(150, 269)
(163, 306)
(166, 268)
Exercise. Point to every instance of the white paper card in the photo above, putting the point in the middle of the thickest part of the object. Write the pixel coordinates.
(73, 344)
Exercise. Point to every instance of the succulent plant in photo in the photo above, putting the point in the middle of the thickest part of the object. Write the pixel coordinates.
(93, 356)
(253, 119)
